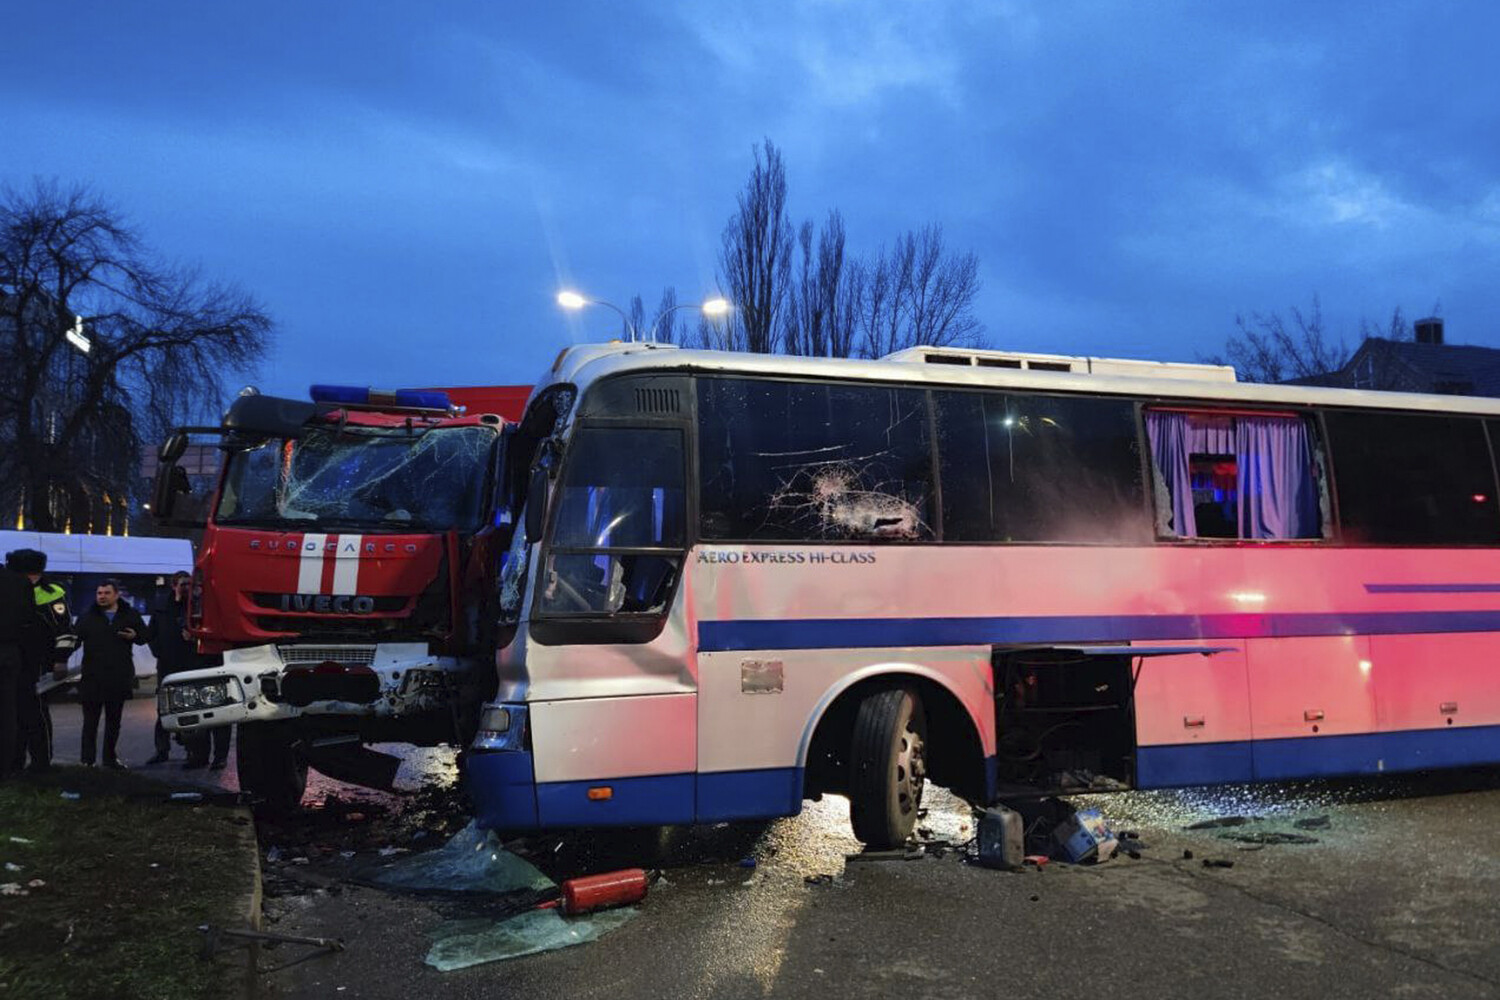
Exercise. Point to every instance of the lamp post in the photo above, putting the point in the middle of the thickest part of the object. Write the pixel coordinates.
(711, 308)
(573, 302)
(76, 337)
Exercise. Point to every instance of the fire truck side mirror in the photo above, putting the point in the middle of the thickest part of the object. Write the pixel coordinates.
(171, 482)
(173, 448)
(536, 503)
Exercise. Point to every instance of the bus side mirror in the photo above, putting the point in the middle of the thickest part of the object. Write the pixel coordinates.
(536, 504)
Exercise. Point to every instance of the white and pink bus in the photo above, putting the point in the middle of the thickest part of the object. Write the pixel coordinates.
(745, 581)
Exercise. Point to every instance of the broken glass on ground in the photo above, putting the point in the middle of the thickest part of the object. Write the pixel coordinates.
(471, 861)
(474, 864)
(459, 944)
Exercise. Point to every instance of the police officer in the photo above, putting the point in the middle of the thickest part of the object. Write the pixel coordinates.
(15, 604)
(47, 640)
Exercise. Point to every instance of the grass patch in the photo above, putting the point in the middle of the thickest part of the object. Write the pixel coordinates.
(129, 878)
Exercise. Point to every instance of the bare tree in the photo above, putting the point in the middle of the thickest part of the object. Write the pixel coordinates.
(102, 348)
(635, 322)
(755, 258)
(665, 320)
(918, 294)
(1398, 328)
(1267, 348)
(940, 290)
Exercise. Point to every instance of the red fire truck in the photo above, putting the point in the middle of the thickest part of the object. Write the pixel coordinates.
(345, 577)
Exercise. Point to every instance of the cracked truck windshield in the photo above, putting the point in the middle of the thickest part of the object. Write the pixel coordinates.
(373, 479)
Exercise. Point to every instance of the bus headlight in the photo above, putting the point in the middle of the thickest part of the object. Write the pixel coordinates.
(196, 696)
(501, 727)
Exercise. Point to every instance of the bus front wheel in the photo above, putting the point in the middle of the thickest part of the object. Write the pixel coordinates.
(887, 767)
(271, 765)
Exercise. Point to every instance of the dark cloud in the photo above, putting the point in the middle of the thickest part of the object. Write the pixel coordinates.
(407, 186)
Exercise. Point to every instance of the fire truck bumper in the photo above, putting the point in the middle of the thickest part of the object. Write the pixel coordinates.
(265, 683)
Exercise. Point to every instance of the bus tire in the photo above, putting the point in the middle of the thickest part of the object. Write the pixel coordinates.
(271, 766)
(887, 769)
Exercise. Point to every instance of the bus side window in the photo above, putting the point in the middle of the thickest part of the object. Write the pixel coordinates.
(1413, 479)
(1037, 468)
(1236, 475)
(795, 461)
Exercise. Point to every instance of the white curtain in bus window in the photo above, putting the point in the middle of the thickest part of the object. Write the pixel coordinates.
(796, 461)
(1235, 475)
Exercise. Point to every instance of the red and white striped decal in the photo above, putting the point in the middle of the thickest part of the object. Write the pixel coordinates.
(317, 574)
(346, 565)
(310, 565)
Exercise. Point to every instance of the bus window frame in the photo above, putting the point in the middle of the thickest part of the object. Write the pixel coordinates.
(554, 628)
(1312, 418)
(1340, 539)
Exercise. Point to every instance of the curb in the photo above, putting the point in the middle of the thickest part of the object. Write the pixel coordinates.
(251, 906)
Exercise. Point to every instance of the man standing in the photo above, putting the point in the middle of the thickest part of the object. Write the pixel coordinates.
(13, 609)
(175, 652)
(47, 641)
(108, 632)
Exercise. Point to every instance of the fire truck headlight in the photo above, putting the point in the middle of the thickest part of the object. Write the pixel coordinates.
(195, 696)
(501, 727)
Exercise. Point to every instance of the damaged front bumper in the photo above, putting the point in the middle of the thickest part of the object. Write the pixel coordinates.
(266, 683)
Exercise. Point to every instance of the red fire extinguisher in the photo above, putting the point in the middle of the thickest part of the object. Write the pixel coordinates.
(600, 892)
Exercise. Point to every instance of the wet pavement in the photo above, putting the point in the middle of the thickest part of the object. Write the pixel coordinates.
(1397, 895)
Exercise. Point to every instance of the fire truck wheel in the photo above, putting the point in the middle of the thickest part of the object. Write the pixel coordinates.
(271, 766)
(887, 769)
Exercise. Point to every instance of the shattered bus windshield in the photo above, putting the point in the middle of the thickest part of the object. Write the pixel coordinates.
(373, 479)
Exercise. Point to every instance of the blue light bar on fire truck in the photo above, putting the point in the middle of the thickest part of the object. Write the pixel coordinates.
(383, 399)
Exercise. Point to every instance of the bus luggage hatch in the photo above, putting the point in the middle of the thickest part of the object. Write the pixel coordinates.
(1066, 715)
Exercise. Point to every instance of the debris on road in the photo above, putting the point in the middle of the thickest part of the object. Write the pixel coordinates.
(1217, 863)
(1085, 836)
(1267, 837)
(1314, 823)
(899, 854)
(1002, 839)
(1219, 823)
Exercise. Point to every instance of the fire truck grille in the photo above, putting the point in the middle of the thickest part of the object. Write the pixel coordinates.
(364, 655)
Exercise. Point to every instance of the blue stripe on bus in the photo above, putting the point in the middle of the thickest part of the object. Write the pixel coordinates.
(728, 795)
(836, 633)
(1316, 756)
(1432, 588)
(503, 787)
(649, 800)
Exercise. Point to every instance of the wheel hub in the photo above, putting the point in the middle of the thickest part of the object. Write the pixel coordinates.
(911, 772)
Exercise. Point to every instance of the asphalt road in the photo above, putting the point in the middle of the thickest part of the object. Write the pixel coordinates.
(1399, 897)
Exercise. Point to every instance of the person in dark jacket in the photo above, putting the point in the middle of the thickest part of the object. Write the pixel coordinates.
(15, 603)
(108, 631)
(175, 652)
(47, 642)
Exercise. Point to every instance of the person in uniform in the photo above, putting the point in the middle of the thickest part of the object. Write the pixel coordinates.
(47, 642)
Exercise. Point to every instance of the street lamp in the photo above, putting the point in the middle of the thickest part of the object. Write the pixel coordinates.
(711, 308)
(573, 302)
(75, 336)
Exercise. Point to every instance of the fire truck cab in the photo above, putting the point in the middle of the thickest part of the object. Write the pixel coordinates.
(344, 579)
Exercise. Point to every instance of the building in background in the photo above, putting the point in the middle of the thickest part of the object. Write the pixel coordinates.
(1424, 364)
